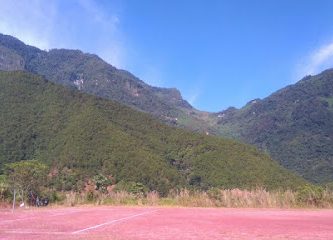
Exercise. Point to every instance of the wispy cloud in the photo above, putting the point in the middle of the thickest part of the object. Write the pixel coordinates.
(317, 61)
(193, 94)
(79, 24)
(109, 40)
(192, 98)
(152, 75)
(30, 21)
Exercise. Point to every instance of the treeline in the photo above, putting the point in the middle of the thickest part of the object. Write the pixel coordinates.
(23, 179)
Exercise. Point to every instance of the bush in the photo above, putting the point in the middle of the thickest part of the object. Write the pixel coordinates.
(101, 182)
(53, 196)
(310, 195)
(135, 188)
(4, 190)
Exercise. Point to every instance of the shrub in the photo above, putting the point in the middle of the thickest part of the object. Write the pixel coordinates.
(310, 195)
(135, 188)
(101, 182)
(4, 190)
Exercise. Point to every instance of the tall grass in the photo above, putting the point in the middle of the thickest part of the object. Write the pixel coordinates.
(230, 198)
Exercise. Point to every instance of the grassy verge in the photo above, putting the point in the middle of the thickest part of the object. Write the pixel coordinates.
(234, 198)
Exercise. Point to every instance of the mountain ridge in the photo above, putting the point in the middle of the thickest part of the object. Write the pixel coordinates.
(294, 124)
(295, 134)
(87, 71)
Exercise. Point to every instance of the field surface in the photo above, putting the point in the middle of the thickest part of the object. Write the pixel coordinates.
(136, 223)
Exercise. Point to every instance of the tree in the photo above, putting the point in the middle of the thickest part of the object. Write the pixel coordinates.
(102, 182)
(3, 187)
(25, 176)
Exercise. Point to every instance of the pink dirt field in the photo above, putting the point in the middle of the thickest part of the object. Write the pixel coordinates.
(165, 223)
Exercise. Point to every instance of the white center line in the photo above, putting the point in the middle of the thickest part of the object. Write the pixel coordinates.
(113, 221)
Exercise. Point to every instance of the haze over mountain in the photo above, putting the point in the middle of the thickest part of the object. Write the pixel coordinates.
(81, 135)
(294, 124)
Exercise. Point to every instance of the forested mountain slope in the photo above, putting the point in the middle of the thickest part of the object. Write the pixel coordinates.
(90, 74)
(294, 125)
(68, 129)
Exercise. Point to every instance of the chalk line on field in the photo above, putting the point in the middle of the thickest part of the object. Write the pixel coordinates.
(113, 221)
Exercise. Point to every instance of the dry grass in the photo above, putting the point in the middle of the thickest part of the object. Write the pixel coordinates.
(230, 198)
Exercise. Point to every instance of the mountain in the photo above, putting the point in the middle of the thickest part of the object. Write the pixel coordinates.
(84, 134)
(294, 125)
(90, 74)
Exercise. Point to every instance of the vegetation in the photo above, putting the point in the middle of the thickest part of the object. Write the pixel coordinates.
(230, 198)
(25, 176)
(80, 136)
(294, 125)
(90, 74)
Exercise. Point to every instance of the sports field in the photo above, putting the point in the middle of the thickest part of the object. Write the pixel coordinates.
(165, 223)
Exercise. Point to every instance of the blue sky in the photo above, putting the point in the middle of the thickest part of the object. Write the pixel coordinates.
(217, 53)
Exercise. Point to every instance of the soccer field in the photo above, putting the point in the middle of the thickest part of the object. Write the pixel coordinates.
(164, 223)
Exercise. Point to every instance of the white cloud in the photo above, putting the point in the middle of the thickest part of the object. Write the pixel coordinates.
(29, 21)
(79, 24)
(317, 61)
(110, 46)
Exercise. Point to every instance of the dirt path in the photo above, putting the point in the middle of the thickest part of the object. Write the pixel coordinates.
(165, 223)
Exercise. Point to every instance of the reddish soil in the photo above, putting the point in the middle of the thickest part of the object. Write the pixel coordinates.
(165, 223)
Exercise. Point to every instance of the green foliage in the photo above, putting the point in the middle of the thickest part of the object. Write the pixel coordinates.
(91, 196)
(294, 125)
(90, 74)
(24, 176)
(310, 194)
(53, 196)
(80, 136)
(135, 188)
(4, 188)
(67, 180)
(101, 182)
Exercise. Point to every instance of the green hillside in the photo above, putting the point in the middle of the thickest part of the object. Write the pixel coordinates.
(294, 125)
(77, 132)
(90, 74)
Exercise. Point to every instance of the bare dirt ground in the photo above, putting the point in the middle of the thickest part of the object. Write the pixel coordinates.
(165, 223)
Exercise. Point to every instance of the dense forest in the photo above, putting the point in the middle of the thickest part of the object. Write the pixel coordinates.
(79, 136)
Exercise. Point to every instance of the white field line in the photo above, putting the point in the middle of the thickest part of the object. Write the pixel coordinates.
(113, 221)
